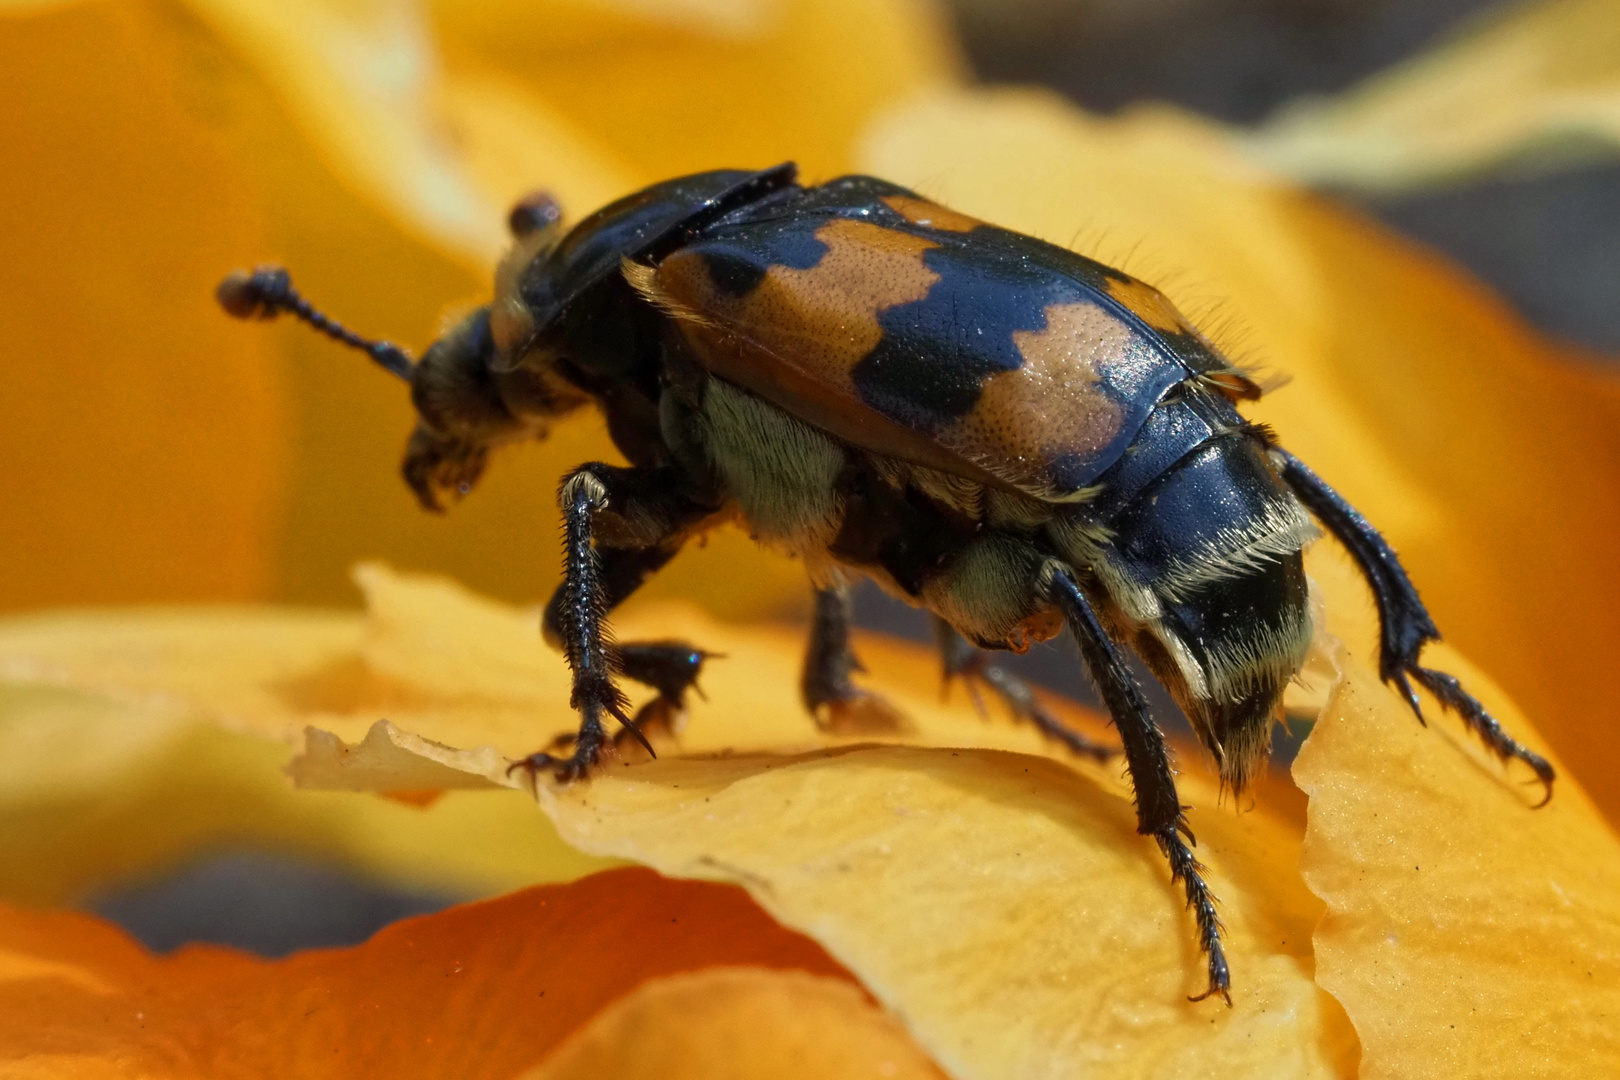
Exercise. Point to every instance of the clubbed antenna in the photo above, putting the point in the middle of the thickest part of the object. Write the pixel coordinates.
(268, 291)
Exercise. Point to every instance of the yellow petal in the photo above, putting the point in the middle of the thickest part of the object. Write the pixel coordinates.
(456, 668)
(117, 764)
(1539, 80)
(359, 80)
(1483, 454)
(739, 1022)
(395, 763)
(110, 731)
(998, 902)
(483, 990)
(96, 792)
(681, 88)
(1466, 934)
(1008, 854)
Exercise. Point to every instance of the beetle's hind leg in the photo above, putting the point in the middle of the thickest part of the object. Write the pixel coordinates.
(1404, 622)
(962, 660)
(830, 695)
(644, 514)
(1159, 812)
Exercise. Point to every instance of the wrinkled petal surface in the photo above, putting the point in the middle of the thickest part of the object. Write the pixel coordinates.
(998, 902)
(1001, 905)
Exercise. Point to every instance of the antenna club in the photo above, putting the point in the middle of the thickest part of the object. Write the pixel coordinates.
(263, 294)
(268, 291)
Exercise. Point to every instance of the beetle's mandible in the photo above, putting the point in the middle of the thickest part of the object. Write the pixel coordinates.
(999, 430)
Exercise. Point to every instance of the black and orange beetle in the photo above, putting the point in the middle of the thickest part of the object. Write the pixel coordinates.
(994, 428)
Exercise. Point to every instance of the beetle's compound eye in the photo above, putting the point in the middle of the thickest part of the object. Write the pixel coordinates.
(533, 213)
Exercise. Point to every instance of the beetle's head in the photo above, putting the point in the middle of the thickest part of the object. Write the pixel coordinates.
(468, 399)
(1206, 569)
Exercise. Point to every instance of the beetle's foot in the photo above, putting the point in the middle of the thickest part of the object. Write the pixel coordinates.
(853, 711)
(566, 770)
(670, 667)
(588, 744)
(975, 669)
(1184, 867)
(1448, 690)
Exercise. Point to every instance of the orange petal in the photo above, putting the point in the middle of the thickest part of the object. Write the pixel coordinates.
(148, 445)
(741, 1022)
(1466, 934)
(484, 990)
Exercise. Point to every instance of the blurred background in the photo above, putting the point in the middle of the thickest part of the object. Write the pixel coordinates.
(280, 522)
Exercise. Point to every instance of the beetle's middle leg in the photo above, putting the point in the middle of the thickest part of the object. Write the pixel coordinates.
(1404, 622)
(620, 526)
(829, 694)
(973, 666)
(1159, 812)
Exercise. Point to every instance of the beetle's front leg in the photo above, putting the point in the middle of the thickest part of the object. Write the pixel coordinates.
(1404, 622)
(1159, 812)
(644, 510)
(584, 637)
(669, 667)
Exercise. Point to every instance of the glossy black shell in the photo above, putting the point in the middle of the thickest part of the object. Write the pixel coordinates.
(643, 225)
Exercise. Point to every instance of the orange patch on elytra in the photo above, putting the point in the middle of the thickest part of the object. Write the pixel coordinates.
(1052, 404)
(1148, 304)
(796, 337)
(820, 321)
(932, 215)
(836, 303)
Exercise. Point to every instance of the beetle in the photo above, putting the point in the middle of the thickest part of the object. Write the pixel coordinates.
(1004, 432)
